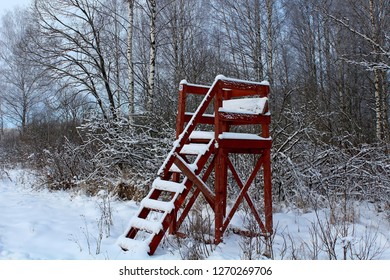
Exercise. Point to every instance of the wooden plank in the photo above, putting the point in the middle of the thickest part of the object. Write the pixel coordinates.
(220, 194)
(240, 119)
(197, 89)
(158, 237)
(240, 89)
(243, 145)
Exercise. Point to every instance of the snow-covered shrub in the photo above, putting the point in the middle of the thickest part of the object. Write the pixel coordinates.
(312, 174)
(122, 154)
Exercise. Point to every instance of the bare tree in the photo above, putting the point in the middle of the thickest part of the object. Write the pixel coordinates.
(24, 84)
(243, 26)
(70, 41)
(368, 24)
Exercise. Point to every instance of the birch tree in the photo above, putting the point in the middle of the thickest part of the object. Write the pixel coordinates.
(130, 57)
(368, 23)
(152, 6)
(377, 16)
(270, 36)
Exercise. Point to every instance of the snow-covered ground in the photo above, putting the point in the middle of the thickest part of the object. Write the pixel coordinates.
(39, 224)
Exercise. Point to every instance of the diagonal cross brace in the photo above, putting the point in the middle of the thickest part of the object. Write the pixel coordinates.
(244, 194)
(195, 194)
(198, 182)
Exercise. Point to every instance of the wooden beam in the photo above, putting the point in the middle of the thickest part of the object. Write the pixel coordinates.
(197, 89)
(241, 145)
(195, 195)
(181, 109)
(268, 192)
(182, 165)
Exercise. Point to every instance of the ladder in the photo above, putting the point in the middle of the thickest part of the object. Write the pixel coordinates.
(192, 160)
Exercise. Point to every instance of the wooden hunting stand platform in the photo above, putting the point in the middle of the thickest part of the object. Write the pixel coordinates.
(199, 162)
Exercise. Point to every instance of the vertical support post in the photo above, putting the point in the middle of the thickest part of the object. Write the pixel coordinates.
(182, 100)
(267, 183)
(220, 183)
(181, 108)
(220, 194)
(173, 224)
(267, 191)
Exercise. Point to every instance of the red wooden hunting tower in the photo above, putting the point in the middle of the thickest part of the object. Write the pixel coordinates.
(200, 162)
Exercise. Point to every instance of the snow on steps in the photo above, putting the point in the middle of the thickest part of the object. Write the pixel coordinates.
(164, 206)
(176, 169)
(194, 149)
(168, 186)
(202, 135)
(148, 226)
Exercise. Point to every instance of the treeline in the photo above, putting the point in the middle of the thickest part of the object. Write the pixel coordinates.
(91, 85)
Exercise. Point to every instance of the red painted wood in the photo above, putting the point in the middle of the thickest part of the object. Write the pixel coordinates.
(209, 196)
(244, 146)
(181, 109)
(216, 159)
(240, 119)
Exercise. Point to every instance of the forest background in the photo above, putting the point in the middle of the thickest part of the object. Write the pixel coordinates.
(89, 88)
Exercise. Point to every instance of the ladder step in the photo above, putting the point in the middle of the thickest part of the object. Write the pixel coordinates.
(194, 149)
(133, 245)
(176, 169)
(149, 226)
(164, 206)
(202, 135)
(168, 186)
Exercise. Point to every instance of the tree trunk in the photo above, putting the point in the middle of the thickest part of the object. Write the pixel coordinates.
(257, 55)
(152, 56)
(130, 59)
(377, 87)
(1, 121)
(117, 58)
(269, 40)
